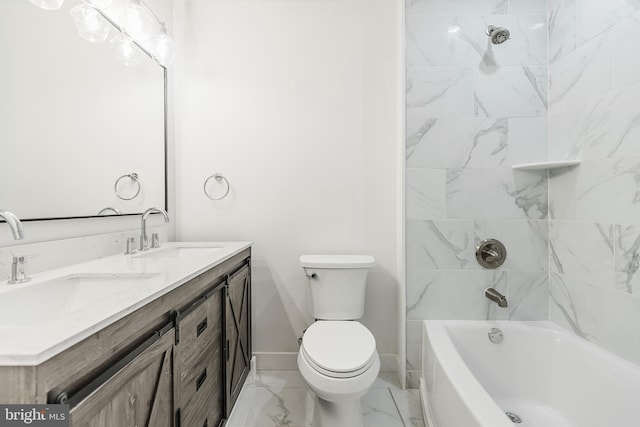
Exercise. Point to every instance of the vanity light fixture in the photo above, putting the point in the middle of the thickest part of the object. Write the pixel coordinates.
(90, 24)
(125, 50)
(48, 4)
(163, 50)
(136, 20)
(98, 4)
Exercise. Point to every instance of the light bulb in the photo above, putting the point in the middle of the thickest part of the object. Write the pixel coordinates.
(90, 24)
(48, 4)
(135, 20)
(99, 4)
(163, 49)
(125, 50)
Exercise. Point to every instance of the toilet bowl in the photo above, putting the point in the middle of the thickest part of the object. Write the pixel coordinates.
(339, 362)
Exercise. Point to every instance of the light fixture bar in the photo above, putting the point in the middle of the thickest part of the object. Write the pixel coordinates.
(135, 25)
(165, 58)
(122, 30)
(150, 12)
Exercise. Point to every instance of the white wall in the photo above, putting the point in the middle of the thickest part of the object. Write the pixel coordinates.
(295, 103)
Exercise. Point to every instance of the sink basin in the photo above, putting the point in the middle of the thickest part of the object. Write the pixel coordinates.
(182, 252)
(44, 302)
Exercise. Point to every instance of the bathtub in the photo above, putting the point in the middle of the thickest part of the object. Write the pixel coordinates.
(540, 372)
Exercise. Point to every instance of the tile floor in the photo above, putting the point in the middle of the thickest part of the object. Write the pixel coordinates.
(281, 399)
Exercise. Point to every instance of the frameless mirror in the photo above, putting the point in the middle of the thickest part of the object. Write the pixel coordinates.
(75, 124)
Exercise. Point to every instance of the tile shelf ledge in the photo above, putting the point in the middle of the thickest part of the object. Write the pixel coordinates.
(547, 165)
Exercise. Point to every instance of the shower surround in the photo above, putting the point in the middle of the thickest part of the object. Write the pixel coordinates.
(474, 109)
(595, 208)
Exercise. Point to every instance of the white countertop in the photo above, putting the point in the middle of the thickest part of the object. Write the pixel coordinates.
(39, 319)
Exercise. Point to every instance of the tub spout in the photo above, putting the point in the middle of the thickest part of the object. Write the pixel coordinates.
(496, 297)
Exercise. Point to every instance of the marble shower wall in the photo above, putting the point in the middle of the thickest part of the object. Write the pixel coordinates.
(594, 116)
(473, 110)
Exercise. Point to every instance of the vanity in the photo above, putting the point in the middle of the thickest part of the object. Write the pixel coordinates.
(160, 338)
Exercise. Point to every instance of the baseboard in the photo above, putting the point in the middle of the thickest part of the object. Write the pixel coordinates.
(426, 407)
(389, 363)
(392, 362)
(252, 370)
(287, 361)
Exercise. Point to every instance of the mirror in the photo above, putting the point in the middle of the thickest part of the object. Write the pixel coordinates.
(73, 120)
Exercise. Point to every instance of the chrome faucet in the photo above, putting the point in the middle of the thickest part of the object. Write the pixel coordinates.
(144, 245)
(496, 297)
(14, 223)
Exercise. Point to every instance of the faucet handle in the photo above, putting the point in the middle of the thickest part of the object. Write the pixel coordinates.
(131, 246)
(491, 253)
(19, 270)
(155, 241)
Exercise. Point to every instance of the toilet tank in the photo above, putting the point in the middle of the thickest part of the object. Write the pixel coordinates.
(337, 284)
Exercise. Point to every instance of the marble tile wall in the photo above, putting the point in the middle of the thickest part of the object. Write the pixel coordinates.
(474, 109)
(594, 209)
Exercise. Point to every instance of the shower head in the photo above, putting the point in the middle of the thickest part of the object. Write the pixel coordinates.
(498, 35)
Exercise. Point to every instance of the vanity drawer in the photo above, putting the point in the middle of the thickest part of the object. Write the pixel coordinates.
(199, 378)
(200, 329)
(201, 393)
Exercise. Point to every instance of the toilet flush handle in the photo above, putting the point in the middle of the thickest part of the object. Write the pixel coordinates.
(310, 276)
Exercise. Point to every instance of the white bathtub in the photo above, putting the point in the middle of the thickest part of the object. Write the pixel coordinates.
(540, 372)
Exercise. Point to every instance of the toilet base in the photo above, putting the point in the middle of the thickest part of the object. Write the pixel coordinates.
(337, 400)
(337, 414)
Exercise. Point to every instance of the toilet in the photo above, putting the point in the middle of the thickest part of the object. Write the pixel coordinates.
(338, 358)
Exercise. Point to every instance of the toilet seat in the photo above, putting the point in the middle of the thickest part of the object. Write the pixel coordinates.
(338, 349)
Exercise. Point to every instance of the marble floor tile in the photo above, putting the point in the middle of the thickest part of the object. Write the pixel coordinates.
(281, 399)
(380, 410)
(238, 416)
(279, 378)
(409, 406)
(387, 380)
(284, 407)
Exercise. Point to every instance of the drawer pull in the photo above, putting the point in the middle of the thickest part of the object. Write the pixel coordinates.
(201, 327)
(201, 378)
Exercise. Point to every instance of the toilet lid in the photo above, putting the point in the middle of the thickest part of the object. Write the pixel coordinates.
(339, 348)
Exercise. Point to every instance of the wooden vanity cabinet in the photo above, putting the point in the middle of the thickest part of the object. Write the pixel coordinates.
(179, 361)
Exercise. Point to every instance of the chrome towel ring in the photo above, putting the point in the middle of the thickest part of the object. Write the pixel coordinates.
(134, 177)
(218, 177)
(109, 209)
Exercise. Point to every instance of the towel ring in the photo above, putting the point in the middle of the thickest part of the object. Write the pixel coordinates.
(134, 177)
(109, 209)
(218, 177)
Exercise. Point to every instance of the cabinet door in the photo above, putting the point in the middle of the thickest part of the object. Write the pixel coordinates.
(139, 394)
(238, 327)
